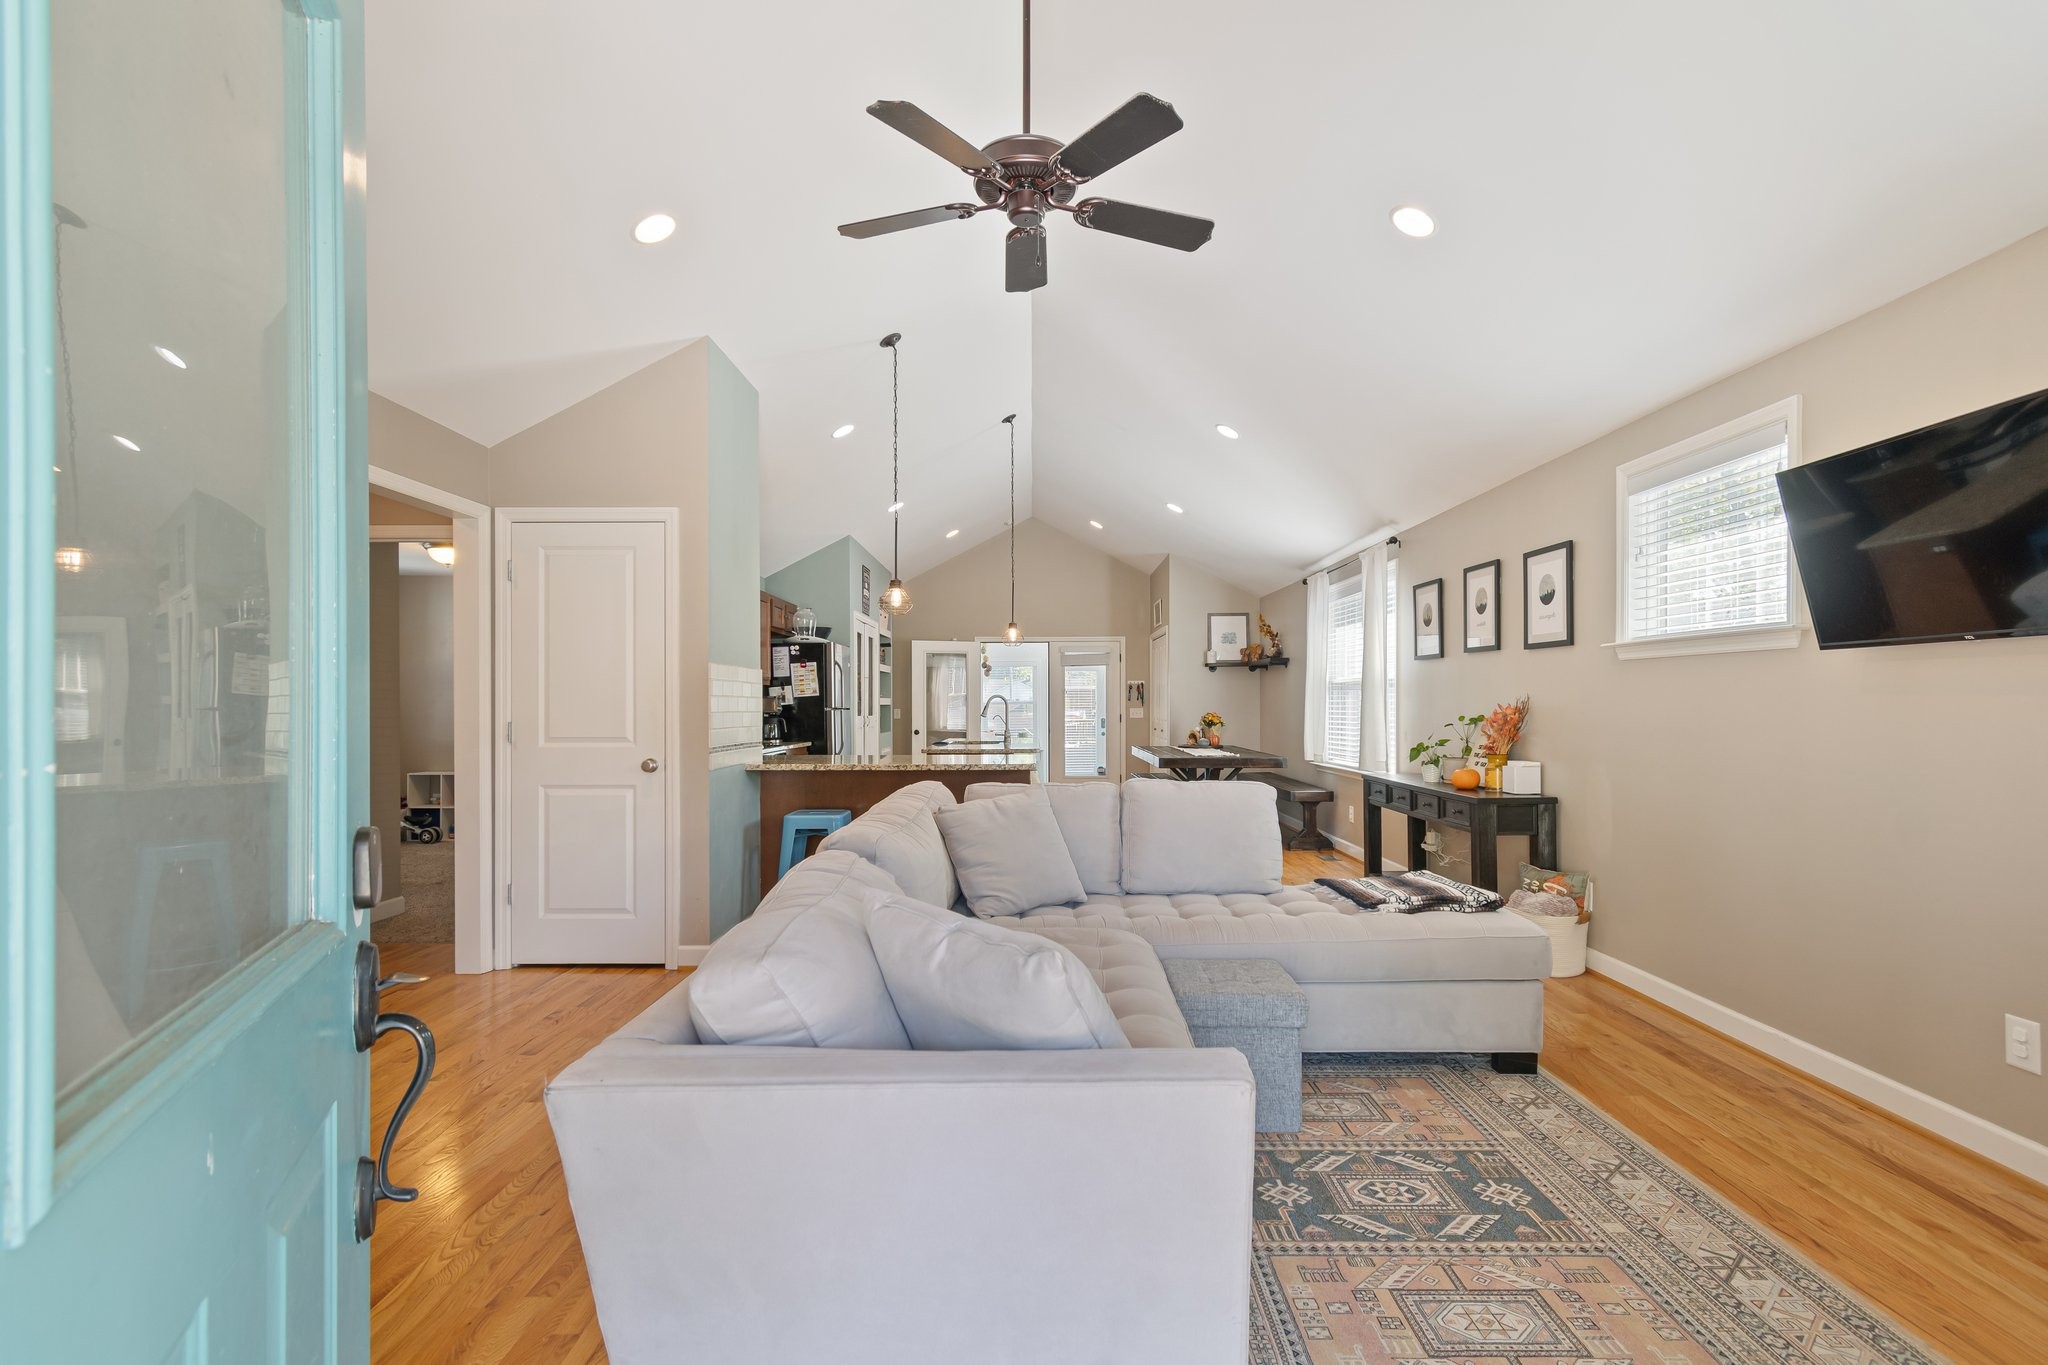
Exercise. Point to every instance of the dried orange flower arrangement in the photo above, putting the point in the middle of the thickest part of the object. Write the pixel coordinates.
(1503, 727)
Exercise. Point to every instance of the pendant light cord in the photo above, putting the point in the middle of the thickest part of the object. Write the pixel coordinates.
(895, 469)
(1013, 519)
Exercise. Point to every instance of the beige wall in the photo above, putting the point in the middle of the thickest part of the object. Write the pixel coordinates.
(1233, 693)
(1065, 587)
(426, 673)
(386, 766)
(403, 442)
(1838, 844)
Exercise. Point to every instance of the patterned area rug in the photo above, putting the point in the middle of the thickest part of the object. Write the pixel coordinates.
(1443, 1212)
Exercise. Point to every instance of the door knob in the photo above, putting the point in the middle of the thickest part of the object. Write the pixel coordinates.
(648, 765)
(373, 1177)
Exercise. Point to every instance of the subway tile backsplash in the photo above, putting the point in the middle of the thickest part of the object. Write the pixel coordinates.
(735, 715)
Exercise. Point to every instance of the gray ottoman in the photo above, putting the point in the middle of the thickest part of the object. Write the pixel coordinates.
(1253, 1005)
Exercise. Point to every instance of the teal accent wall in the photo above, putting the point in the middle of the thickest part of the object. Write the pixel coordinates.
(828, 582)
(733, 570)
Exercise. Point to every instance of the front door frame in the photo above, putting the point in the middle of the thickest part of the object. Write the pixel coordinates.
(503, 520)
(475, 644)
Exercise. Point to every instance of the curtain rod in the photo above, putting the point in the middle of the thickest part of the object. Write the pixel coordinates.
(1349, 552)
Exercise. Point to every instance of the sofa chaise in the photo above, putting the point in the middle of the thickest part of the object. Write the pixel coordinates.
(1089, 1204)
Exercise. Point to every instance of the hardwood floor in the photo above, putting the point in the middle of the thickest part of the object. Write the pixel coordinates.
(486, 1266)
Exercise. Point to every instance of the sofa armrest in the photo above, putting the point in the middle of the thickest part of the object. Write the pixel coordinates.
(770, 1204)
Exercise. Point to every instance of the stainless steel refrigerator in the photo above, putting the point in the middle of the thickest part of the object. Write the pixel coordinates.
(821, 707)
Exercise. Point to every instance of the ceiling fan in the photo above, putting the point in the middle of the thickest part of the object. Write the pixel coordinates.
(1029, 176)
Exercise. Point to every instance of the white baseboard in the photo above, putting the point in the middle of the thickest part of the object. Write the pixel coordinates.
(385, 909)
(690, 954)
(1959, 1126)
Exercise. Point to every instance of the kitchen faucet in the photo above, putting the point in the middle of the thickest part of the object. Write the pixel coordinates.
(993, 699)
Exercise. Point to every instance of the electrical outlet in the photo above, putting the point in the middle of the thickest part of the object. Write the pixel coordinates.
(1350, 813)
(2023, 1043)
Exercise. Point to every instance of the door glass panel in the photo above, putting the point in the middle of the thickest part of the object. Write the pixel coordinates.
(178, 453)
(1016, 673)
(945, 696)
(1084, 719)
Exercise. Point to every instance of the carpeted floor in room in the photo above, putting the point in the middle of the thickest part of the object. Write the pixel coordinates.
(426, 878)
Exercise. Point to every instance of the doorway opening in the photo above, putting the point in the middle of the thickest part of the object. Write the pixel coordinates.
(430, 718)
(1057, 697)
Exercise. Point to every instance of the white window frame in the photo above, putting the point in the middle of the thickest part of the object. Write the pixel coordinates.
(1728, 641)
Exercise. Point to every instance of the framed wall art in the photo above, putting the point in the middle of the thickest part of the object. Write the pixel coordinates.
(1547, 597)
(1429, 619)
(1482, 607)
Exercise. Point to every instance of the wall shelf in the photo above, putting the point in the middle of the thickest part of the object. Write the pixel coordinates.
(1253, 666)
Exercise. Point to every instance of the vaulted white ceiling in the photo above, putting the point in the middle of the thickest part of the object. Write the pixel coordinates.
(1633, 200)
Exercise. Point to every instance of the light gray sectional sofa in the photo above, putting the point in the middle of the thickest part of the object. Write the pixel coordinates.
(865, 1200)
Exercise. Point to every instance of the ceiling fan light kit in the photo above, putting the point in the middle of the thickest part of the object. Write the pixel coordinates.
(1030, 176)
(895, 597)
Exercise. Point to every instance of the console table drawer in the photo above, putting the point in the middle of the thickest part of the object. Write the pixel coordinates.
(1376, 792)
(1401, 799)
(1457, 811)
(1428, 805)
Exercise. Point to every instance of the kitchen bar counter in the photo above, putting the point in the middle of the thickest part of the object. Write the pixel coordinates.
(826, 782)
(899, 763)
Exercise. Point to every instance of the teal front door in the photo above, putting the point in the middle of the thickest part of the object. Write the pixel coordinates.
(183, 1098)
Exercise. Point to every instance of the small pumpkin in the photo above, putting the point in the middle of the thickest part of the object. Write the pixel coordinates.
(1466, 779)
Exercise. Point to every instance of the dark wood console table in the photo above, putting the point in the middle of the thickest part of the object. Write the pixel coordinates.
(1487, 814)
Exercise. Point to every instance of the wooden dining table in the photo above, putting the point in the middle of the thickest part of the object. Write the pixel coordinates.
(1191, 764)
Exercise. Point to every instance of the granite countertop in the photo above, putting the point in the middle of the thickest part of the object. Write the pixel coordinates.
(900, 763)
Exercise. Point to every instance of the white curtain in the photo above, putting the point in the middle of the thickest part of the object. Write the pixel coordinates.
(1316, 670)
(1372, 728)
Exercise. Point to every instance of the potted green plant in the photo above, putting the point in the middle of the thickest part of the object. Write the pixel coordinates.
(1427, 753)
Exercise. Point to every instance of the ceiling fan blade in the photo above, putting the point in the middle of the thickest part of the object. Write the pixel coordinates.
(926, 131)
(897, 222)
(1142, 121)
(1157, 226)
(1024, 260)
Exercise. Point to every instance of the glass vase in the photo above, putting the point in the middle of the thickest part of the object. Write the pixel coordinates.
(1496, 771)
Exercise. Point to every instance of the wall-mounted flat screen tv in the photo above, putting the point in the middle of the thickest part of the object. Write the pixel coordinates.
(1939, 534)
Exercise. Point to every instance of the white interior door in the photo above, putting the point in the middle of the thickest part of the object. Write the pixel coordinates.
(1087, 711)
(867, 699)
(945, 692)
(1155, 703)
(589, 703)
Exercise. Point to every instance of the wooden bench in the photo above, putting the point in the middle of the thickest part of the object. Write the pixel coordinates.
(1304, 794)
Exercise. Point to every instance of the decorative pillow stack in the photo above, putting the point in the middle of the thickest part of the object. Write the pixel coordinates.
(1009, 854)
(1090, 816)
(838, 956)
(1222, 838)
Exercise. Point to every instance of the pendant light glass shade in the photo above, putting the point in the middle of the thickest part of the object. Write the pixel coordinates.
(895, 597)
(1013, 633)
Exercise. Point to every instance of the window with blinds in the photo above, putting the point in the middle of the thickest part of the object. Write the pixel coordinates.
(1705, 548)
(1343, 700)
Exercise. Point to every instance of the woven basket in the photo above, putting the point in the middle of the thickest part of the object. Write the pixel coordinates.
(1567, 941)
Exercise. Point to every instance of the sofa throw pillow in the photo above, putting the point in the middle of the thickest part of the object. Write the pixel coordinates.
(1009, 855)
(898, 835)
(799, 971)
(1403, 893)
(1576, 885)
(1181, 838)
(1091, 821)
(968, 985)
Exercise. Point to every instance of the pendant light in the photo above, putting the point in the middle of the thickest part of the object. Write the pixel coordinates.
(1013, 633)
(895, 597)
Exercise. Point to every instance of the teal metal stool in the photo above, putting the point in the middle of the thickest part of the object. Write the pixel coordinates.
(797, 828)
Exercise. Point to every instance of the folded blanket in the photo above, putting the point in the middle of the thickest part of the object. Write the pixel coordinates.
(1406, 892)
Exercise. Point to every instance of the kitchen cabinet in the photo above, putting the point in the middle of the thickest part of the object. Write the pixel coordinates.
(778, 621)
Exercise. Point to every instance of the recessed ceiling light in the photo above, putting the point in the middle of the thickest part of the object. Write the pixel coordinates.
(1413, 221)
(1227, 432)
(170, 357)
(841, 433)
(1173, 507)
(1096, 524)
(895, 507)
(954, 532)
(655, 227)
(126, 444)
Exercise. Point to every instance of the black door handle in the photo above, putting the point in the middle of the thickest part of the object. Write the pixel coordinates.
(373, 1178)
